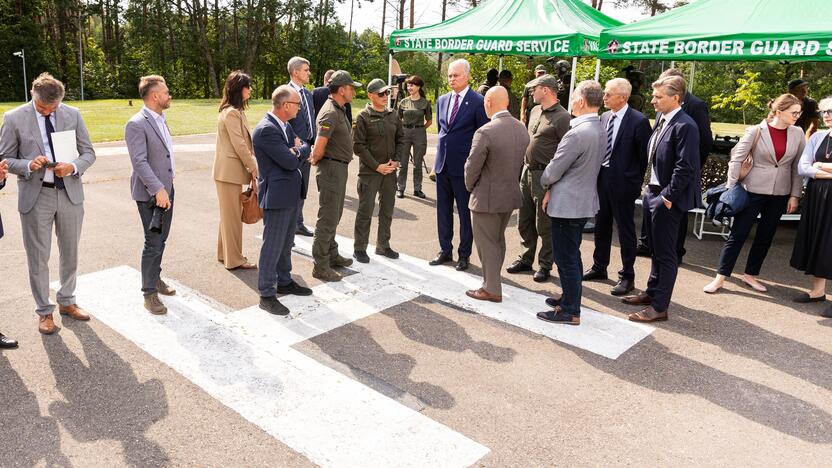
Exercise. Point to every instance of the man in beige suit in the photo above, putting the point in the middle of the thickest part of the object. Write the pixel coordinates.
(491, 173)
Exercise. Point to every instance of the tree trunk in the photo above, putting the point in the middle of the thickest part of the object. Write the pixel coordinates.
(401, 13)
(383, 17)
(411, 14)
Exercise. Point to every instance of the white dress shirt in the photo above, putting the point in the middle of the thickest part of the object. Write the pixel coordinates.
(49, 175)
(654, 180)
(282, 126)
(162, 125)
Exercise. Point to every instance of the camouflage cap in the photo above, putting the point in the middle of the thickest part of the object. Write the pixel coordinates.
(342, 78)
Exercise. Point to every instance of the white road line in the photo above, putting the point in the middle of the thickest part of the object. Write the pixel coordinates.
(330, 307)
(180, 148)
(328, 417)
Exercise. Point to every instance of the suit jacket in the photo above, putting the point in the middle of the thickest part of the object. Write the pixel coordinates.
(455, 139)
(768, 176)
(301, 123)
(279, 178)
(319, 96)
(629, 151)
(494, 165)
(677, 162)
(149, 155)
(572, 175)
(698, 111)
(21, 142)
(234, 159)
(2, 184)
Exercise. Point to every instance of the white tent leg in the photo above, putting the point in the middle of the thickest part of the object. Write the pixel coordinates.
(597, 69)
(500, 67)
(389, 76)
(672, 64)
(692, 76)
(572, 82)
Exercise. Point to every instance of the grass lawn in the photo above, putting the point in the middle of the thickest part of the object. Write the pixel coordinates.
(105, 119)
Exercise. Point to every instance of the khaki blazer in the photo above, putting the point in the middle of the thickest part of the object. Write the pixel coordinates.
(234, 160)
(767, 175)
(492, 170)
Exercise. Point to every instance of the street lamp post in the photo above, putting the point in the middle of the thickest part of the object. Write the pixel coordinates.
(81, 54)
(22, 54)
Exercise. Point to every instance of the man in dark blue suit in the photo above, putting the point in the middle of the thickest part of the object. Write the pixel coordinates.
(279, 153)
(303, 124)
(459, 114)
(672, 188)
(5, 342)
(619, 184)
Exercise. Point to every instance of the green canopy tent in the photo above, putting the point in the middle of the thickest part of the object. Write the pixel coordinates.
(513, 27)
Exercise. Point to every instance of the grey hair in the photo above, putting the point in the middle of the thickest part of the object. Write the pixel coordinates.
(591, 93)
(295, 63)
(466, 67)
(622, 85)
(281, 94)
(825, 103)
(672, 85)
(47, 89)
(672, 72)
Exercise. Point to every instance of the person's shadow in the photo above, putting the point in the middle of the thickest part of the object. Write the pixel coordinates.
(28, 438)
(104, 400)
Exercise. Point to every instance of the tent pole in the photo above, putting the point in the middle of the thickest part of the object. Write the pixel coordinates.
(500, 67)
(389, 76)
(597, 69)
(572, 81)
(672, 64)
(692, 76)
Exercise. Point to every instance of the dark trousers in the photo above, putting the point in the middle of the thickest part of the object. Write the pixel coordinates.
(644, 238)
(566, 248)
(276, 253)
(619, 207)
(304, 170)
(450, 189)
(663, 225)
(154, 245)
(532, 221)
(770, 208)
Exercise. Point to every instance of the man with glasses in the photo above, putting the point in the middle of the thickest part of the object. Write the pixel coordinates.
(378, 141)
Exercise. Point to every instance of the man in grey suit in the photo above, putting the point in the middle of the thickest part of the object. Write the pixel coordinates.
(572, 197)
(150, 146)
(491, 172)
(50, 192)
(303, 125)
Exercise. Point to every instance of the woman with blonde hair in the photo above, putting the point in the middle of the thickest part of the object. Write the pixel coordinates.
(234, 168)
(773, 185)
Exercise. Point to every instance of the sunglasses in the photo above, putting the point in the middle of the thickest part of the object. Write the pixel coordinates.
(383, 94)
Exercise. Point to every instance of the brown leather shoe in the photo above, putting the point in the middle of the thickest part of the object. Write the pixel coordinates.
(154, 305)
(483, 295)
(164, 289)
(638, 299)
(74, 312)
(46, 324)
(647, 315)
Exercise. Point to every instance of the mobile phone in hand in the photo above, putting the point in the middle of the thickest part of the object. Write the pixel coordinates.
(51, 165)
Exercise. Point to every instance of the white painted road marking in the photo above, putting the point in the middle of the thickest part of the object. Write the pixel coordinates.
(328, 417)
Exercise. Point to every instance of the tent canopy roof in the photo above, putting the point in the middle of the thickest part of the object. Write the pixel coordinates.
(728, 30)
(512, 27)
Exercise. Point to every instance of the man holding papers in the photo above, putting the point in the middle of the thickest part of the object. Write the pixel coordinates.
(50, 193)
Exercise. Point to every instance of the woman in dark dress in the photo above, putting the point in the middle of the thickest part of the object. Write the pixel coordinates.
(812, 252)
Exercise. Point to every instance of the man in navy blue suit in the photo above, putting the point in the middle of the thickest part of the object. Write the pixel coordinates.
(672, 188)
(5, 342)
(303, 124)
(619, 184)
(279, 153)
(459, 114)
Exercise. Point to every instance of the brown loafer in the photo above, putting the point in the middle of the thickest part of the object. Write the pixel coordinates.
(638, 299)
(46, 324)
(483, 295)
(245, 266)
(647, 315)
(75, 312)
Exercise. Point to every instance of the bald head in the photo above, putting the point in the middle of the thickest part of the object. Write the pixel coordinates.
(496, 100)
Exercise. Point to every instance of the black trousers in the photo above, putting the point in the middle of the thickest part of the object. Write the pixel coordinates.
(663, 225)
(154, 245)
(769, 208)
(619, 207)
(644, 238)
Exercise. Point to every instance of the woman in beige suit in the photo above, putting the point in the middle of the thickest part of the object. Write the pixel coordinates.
(773, 185)
(234, 167)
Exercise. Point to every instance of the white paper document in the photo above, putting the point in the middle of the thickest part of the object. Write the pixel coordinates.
(66, 148)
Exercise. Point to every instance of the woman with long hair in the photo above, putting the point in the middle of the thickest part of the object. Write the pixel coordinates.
(416, 114)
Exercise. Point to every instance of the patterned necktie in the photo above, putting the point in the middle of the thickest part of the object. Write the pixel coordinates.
(654, 142)
(608, 154)
(454, 110)
(306, 109)
(59, 181)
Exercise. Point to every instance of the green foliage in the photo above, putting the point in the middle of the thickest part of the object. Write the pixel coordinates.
(747, 95)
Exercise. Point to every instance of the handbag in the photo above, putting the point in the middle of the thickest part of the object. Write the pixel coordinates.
(252, 213)
(748, 162)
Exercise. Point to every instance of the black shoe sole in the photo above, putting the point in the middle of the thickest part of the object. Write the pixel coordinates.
(273, 312)
(307, 292)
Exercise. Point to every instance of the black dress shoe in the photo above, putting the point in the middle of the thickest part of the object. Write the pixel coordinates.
(361, 256)
(518, 266)
(541, 275)
(553, 301)
(643, 251)
(557, 316)
(805, 298)
(420, 194)
(273, 306)
(387, 252)
(304, 231)
(442, 257)
(6, 342)
(399, 193)
(623, 287)
(592, 275)
(462, 264)
(294, 289)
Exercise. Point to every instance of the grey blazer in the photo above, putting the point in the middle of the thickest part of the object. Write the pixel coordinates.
(768, 176)
(21, 142)
(572, 175)
(494, 164)
(149, 155)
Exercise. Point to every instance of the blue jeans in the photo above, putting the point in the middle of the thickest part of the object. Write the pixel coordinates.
(566, 249)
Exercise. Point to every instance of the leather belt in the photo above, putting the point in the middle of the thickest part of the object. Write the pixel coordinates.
(536, 167)
(413, 126)
(50, 185)
(336, 160)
